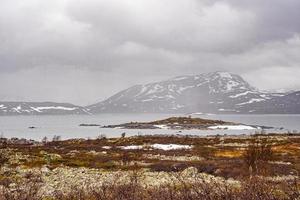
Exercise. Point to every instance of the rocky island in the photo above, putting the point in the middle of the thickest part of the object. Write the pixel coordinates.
(183, 123)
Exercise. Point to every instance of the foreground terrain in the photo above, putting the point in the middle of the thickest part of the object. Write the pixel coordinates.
(152, 167)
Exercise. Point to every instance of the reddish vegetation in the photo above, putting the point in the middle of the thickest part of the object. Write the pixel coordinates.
(247, 159)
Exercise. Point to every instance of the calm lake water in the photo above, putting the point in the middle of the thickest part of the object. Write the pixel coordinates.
(68, 126)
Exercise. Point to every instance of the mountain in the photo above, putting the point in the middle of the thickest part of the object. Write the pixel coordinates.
(39, 108)
(217, 92)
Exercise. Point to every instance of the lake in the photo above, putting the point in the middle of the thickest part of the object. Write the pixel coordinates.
(67, 126)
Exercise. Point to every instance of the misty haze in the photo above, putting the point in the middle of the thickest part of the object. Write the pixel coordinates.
(161, 99)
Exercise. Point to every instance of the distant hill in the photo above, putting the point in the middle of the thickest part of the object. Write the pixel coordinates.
(39, 108)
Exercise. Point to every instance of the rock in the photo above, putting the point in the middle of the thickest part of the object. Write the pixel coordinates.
(190, 172)
(52, 157)
(93, 153)
(45, 170)
(43, 152)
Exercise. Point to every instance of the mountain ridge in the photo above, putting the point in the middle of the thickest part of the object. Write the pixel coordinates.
(39, 108)
(214, 92)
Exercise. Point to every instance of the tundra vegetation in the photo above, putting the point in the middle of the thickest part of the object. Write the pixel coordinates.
(259, 166)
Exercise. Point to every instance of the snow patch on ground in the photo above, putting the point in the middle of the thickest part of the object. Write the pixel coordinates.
(162, 126)
(53, 108)
(223, 109)
(132, 147)
(232, 127)
(167, 147)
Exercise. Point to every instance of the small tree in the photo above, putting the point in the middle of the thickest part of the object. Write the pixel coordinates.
(56, 138)
(101, 137)
(44, 140)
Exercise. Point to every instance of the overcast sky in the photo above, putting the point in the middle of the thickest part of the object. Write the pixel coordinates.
(82, 51)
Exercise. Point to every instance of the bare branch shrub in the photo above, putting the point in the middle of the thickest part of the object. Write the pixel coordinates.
(257, 154)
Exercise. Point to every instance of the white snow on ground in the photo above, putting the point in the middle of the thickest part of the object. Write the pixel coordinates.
(53, 108)
(232, 127)
(280, 162)
(132, 147)
(162, 126)
(167, 147)
(222, 109)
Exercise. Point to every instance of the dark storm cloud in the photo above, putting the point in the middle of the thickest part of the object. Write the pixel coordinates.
(84, 50)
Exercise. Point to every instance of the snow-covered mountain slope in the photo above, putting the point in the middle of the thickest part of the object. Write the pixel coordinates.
(39, 108)
(217, 92)
(286, 104)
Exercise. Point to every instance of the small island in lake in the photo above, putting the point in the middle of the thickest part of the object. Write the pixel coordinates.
(89, 125)
(181, 123)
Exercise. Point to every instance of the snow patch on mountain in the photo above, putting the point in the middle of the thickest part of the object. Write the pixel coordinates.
(251, 101)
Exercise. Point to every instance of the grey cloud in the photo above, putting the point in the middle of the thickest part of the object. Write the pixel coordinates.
(85, 50)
